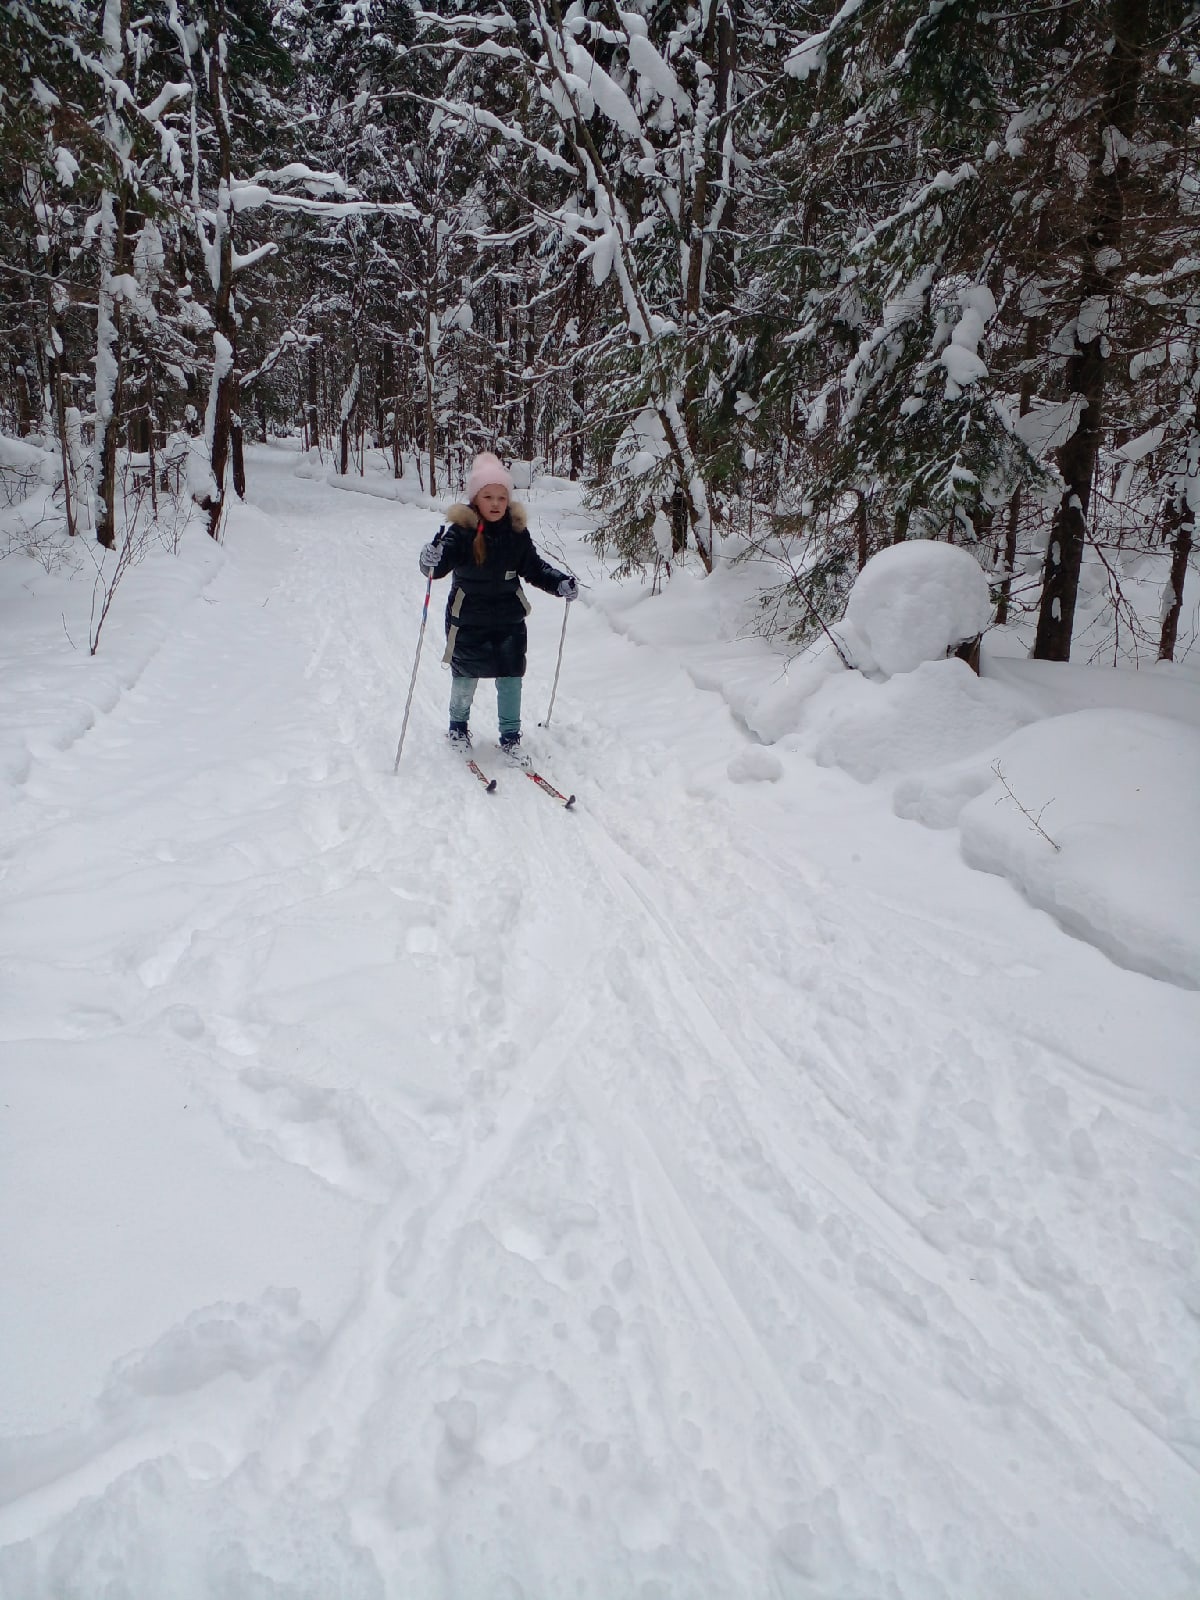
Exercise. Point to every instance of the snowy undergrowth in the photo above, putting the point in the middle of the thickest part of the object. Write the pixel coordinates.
(53, 591)
(721, 1191)
(1119, 785)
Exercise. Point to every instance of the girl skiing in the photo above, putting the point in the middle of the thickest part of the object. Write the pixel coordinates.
(486, 545)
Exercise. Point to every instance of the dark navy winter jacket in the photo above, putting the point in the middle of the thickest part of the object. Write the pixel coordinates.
(486, 609)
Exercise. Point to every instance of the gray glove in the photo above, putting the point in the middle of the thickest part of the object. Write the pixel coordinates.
(430, 556)
(568, 590)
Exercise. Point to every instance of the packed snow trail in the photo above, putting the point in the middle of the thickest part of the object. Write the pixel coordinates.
(717, 1191)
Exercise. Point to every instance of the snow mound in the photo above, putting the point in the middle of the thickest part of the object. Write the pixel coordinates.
(1166, 689)
(939, 712)
(914, 602)
(24, 466)
(777, 708)
(192, 1521)
(1115, 791)
(755, 766)
(19, 455)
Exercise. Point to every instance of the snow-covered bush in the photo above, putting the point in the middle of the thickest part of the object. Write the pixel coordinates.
(914, 602)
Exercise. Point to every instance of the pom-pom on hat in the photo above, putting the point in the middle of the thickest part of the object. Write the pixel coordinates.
(487, 469)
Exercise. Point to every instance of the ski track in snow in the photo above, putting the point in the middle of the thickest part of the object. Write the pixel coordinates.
(657, 1200)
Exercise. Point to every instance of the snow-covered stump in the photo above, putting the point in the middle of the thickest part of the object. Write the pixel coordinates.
(914, 602)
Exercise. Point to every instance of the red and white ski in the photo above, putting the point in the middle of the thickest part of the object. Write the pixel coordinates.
(544, 784)
(473, 766)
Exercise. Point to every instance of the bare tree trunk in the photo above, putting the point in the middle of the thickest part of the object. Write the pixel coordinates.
(224, 385)
(430, 423)
(67, 465)
(109, 367)
(1184, 519)
(529, 406)
(113, 255)
(237, 452)
(312, 412)
(712, 195)
(153, 472)
(1087, 368)
(1010, 557)
(1034, 334)
(431, 334)
(578, 385)
(578, 403)
(21, 387)
(56, 377)
(223, 401)
(389, 406)
(501, 325)
(679, 521)
(720, 54)
(862, 531)
(139, 429)
(385, 389)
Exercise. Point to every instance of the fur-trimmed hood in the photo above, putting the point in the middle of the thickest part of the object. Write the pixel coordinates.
(467, 516)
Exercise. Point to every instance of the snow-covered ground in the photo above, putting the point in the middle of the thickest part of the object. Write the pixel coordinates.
(724, 1190)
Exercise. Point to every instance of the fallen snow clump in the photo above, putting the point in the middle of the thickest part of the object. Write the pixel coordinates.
(914, 602)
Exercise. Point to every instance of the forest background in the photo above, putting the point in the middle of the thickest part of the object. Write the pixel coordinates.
(793, 282)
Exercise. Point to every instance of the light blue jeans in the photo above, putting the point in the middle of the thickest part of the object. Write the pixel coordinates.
(508, 701)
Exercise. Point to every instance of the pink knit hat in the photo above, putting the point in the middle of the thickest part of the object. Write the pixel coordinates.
(487, 469)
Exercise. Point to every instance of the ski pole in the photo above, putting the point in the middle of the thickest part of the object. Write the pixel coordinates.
(558, 668)
(416, 662)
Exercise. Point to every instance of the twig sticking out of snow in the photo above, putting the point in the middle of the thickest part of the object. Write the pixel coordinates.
(1035, 821)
